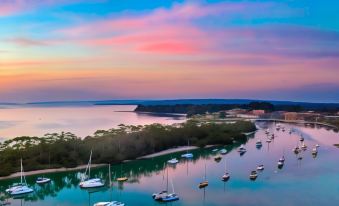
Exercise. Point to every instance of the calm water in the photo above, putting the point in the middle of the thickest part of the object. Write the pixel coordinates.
(81, 120)
(311, 181)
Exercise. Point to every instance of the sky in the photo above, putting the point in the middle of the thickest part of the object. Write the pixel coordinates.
(57, 50)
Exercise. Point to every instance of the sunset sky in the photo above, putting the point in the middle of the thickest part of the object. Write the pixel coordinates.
(54, 50)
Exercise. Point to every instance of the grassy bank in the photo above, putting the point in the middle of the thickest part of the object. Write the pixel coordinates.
(112, 146)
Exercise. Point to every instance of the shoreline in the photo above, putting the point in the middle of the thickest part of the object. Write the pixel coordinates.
(168, 151)
(64, 169)
(47, 171)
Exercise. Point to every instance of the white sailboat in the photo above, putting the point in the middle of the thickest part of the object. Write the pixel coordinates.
(226, 176)
(171, 196)
(187, 155)
(20, 188)
(86, 181)
(112, 203)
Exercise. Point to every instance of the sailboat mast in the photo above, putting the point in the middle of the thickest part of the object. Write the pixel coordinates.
(89, 165)
(21, 170)
(109, 175)
(205, 172)
(167, 180)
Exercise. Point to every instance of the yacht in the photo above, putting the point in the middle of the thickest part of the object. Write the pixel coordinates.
(253, 175)
(173, 161)
(20, 188)
(86, 181)
(42, 180)
(114, 203)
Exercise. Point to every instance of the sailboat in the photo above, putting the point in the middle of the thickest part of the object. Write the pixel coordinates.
(158, 196)
(88, 182)
(170, 197)
(20, 188)
(226, 176)
(187, 155)
(205, 182)
(121, 178)
(112, 203)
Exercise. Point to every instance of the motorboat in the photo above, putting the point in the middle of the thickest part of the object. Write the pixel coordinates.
(296, 150)
(253, 175)
(282, 159)
(217, 158)
(242, 149)
(258, 143)
(114, 203)
(303, 146)
(260, 167)
(173, 161)
(223, 151)
(280, 164)
(20, 188)
(42, 180)
(86, 181)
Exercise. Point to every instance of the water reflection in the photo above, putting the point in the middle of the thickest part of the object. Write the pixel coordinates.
(145, 177)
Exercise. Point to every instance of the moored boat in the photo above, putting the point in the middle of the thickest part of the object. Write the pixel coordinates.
(42, 180)
(20, 188)
(253, 175)
(86, 181)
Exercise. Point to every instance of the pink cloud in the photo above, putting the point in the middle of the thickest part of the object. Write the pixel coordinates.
(23, 41)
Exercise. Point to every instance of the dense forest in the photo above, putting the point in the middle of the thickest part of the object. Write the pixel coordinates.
(114, 145)
(192, 109)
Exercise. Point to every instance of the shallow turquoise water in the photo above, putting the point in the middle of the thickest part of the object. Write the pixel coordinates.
(311, 181)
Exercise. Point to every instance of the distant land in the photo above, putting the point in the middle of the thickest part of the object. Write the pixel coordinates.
(306, 105)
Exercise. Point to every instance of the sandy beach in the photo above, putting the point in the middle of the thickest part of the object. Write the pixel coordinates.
(63, 169)
(36, 172)
(169, 151)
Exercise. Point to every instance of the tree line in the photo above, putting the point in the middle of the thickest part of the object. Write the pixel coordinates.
(115, 145)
